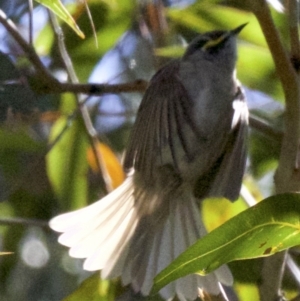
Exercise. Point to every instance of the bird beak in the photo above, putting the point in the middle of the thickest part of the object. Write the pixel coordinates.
(237, 30)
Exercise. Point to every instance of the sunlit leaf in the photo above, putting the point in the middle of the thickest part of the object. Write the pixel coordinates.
(58, 9)
(271, 226)
(44, 41)
(5, 253)
(93, 289)
(202, 17)
(216, 212)
(246, 292)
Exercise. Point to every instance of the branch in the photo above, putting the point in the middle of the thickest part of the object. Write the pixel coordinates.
(44, 82)
(11, 221)
(286, 178)
(263, 127)
(293, 14)
(28, 49)
(89, 89)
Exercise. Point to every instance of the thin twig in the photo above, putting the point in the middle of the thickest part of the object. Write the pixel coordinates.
(286, 178)
(28, 49)
(294, 269)
(92, 134)
(44, 82)
(12, 221)
(88, 11)
(30, 4)
(247, 196)
(263, 127)
(91, 88)
(70, 118)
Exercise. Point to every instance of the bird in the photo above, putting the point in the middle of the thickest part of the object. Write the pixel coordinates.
(188, 143)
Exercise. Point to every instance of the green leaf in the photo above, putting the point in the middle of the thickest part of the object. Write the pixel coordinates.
(19, 141)
(93, 289)
(58, 9)
(271, 226)
(66, 163)
(206, 16)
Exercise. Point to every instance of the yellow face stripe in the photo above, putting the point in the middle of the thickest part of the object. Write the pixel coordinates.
(212, 43)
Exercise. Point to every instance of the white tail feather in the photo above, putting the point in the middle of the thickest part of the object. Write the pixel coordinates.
(102, 228)
(118, 236)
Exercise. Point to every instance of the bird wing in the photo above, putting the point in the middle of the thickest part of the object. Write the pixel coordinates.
(227, 182)
(166, 134)
(158, 134)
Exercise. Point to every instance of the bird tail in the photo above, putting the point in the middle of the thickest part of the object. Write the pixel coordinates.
(117, 236)
(101, 231)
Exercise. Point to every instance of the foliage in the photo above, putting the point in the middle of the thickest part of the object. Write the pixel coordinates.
(264, 229)
(58, 8)
(51, 159)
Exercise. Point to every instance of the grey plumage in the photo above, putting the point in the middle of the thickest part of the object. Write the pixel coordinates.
(188, 143)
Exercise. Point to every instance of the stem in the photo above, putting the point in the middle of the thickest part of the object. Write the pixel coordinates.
(44, 82)
(91, 88)
(286, 178)
(293, 13)
(92, 134)
(28, 49)
(11, 221)
(30, 5)
(265, 128)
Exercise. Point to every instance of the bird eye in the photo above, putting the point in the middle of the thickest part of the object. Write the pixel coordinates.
(196, 45)
(200, 43)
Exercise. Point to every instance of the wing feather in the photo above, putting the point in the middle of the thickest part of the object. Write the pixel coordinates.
(161, 124)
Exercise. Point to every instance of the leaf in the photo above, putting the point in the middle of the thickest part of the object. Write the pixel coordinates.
(93, 289)
(20, 141)
(111, 24)
(66, 163)
(247, 292)
(112, 163)
(207, 16)
(216, 212)
(6, 253)
(58, 9)
(271, 226)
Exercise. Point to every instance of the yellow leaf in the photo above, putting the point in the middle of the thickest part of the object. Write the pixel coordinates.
(110, 161)
(216, 211)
